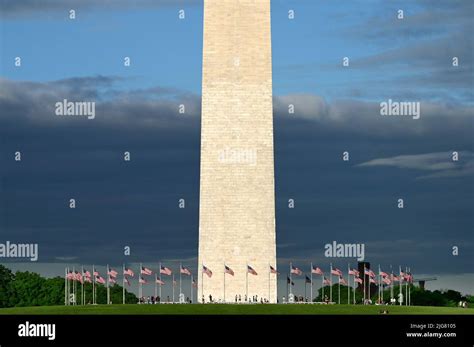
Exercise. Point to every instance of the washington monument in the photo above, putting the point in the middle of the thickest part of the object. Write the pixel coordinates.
(237, 194)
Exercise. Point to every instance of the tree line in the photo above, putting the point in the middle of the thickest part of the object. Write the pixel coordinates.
(30, 289)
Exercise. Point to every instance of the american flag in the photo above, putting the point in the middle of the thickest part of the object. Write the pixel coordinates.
(142, 280)
(316, 270)
(358, 279)
(369, 273)
(128, 272)
(112, 279)
(383, 274)
(145, 271)
(112, 273)
(70, 276)
(165, 270)
(296, 271)
(250, 270)
(336, 272)
(288, 281)
(96, 273)
(228, 270)
(78, 276)
(307, 280)
(125, 279)
(100, 280)
(353, 272)
(386, 280)
(194, 284)
(371, 280)
(395, 278)
(185, 271)
(207, 271)
(87, 273)
(327, 281)
(342, 280)
(159, 281)
(88, 279)
(273, 270)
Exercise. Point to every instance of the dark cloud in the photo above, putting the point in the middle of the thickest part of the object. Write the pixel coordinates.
(136, 203)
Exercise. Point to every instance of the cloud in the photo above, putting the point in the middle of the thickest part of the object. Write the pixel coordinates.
(33, 103)
(440, 163)
(14, 8)
(363, 117)
(421, 19)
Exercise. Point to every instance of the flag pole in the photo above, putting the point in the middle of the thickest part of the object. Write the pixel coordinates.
(409, 285)
(140, 289)
(83, 296)
(322, 286)
(247, 282)
(391, 284)
(348, 283)
(330, 284)
(65, 286)
(180, 267)
(287, 284)
(380, 284)
(269, 276)
(305, 296)
(364, 282)
(406, 287)
(159, 288)
(400, 280)
(291, 279)
(381, 290)
(311, 275)
(173, 288)
(224, 281)
(108, 291)
(368, 288)
(93, 285)
(354, 291)
(339, 290)
(74, 285)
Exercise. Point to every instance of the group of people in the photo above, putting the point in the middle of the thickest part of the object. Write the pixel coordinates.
(238, 299)
(157, 300)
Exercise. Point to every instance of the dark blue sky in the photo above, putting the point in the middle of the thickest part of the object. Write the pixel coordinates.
(336, 110)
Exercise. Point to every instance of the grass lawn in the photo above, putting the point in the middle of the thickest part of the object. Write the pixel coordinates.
(233, 309)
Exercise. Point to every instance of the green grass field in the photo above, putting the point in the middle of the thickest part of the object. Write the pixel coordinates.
(233, 309)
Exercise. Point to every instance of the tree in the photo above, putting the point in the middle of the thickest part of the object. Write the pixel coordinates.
(6, 280)
(335, 294)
